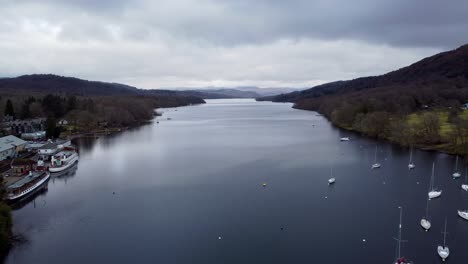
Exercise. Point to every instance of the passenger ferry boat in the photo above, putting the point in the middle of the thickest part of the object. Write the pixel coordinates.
(32, 182)
(63, 160)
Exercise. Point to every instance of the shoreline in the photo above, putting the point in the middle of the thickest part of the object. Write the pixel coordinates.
(432, 148)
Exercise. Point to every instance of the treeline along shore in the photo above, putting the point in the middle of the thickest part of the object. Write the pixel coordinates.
(41, 107)
(422, 105)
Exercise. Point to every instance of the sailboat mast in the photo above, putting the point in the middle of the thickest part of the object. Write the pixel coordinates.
(445, 230)
(432, 177)
(466, 175)
(411, 155)
(427, 209)
(456, 163)
(399, 233)
(375, 155)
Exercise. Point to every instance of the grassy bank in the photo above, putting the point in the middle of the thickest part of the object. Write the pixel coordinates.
(442, 130)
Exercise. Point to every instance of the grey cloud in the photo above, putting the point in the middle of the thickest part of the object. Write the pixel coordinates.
(239, 42)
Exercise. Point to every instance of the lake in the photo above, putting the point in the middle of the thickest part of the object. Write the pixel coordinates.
(189, 190)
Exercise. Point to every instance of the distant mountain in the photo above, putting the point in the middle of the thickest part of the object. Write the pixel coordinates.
(443, 73)
(54, 84)
(235, 92)
(267, 91)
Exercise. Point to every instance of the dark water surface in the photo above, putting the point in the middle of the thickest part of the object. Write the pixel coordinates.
(183, 183)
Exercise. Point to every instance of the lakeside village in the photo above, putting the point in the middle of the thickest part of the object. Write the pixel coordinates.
(27, 159)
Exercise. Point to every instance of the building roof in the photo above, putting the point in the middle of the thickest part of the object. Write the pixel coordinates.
(22, 162)
(49, 145)
(9, 142)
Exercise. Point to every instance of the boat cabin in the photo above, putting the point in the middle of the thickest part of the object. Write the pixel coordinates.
(25, 184)
(23, 166)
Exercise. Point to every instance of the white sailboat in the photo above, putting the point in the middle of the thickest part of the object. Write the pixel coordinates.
(463, 214)
(411, 164)
(456, 174)
(399, 259)
(465, 185)
(332, 179)
(433, 193)
(375, 165)
(425, 223)
(444, 251)
(344, 139)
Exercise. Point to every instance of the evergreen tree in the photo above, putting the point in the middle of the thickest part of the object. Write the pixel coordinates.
(9, 111)
(25, 112)
(71, 103)
(50, 127)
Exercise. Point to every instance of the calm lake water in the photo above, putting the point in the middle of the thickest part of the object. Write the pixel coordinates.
(167, 193)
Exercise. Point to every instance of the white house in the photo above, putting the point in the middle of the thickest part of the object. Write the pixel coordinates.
(10, 146)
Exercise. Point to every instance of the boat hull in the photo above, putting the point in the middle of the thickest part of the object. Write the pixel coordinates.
(463, 214)
(465, 187)
(411, 166)
(456, 175)
(376, 166)
(64, 167)
(434, 194)
(443, 252)
(30, 191)
(425, 224)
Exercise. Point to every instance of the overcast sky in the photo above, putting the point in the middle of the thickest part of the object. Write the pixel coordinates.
(188, 43)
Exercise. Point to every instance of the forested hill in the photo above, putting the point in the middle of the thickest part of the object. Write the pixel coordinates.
(420, 104)
(54, 84)
(433, 80)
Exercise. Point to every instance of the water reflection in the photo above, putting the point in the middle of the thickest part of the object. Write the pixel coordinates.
(64, 175)
(165, 193)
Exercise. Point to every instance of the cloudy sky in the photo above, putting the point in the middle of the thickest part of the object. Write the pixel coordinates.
(189, 43)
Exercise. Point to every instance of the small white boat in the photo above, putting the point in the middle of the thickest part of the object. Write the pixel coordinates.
(444, 251)
(433, 193)
(456, 174)
(399, 259)
(63, 160)
(332, 179)
(344, 139)
(376, 165)
(425, 223)
(411, 164)
(465, 185)
(463, 214)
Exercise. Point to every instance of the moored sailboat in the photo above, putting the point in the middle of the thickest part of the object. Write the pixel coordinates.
(456, 174)
(399, 259)
(444, 251)
(464, 186)
(411, 164)
(425, 223)
(332, 179)
(376, 165)
(433, 193)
